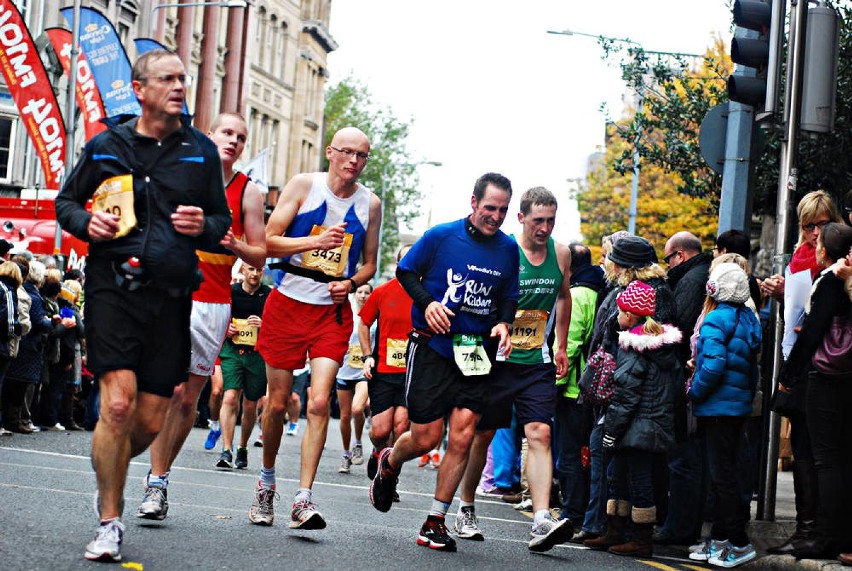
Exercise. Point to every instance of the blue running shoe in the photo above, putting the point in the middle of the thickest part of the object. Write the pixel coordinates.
(212, 438)
(733, 556)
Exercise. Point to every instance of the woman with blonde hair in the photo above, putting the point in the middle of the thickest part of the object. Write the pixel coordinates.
(814, 212)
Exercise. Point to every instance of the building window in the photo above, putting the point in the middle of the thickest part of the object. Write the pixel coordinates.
(282, 50)
(261, 37)
(5, 147)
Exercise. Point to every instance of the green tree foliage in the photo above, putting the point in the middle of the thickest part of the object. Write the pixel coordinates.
(603, 200)
(390, 172)
(677, 97)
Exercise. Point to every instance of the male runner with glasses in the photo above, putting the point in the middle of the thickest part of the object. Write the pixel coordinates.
(158, 196)
(322, 226)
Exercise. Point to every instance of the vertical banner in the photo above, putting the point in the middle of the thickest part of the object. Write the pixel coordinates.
(88, 97)
(145, 45)
(109, 63)
(32, 92)
(258, 170)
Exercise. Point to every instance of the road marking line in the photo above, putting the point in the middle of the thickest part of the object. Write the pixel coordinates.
(657, 564)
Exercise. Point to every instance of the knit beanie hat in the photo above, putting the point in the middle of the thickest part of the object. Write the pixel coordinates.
(638, 298)
(728, 282)
(633, 252)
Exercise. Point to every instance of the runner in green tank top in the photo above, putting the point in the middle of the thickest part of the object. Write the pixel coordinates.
(539, 289)
(526, 380)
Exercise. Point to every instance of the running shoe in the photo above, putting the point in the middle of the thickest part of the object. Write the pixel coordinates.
(732, 556)
(259, 442)
(241, 463)
(55, 428)
(292, 429)
(212, 438)
(396, 499)
(424, 461)
(384, 484)
(305, 515)
(466, 525)
(155, 503)
(710, 548)
(358, 455)
(106, 546)
(524, 506)
(262, 511)
(434, 534)
(550, 533)
(373, 464)
(435, 461)
(226, 460)
(345, 465)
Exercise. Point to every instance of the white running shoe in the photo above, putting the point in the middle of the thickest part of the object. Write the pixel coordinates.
(106, 546)
(466, 525)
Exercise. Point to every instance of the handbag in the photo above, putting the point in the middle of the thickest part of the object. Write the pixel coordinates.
(598, 379)
(833, 357)
(789, 404)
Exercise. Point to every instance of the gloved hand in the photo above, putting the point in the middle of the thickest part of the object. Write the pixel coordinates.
(608, 441)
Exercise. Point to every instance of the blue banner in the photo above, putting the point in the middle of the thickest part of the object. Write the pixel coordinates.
(145, 45)
(109, 62)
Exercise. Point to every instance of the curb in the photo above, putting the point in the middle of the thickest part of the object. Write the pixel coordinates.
(784, 562)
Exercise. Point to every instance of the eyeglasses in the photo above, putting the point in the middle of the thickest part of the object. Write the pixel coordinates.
(814, 225)
(349, 152)
(667, 259)
(185, 80)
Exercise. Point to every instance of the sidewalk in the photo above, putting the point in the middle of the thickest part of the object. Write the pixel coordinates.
(765, 534)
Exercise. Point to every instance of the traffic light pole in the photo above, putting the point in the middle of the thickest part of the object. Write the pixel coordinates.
(788, 174)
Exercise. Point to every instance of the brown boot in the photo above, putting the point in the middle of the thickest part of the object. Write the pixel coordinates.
(641, 543)
(616, 522)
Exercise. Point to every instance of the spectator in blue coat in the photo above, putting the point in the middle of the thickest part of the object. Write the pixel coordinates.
(722, 389)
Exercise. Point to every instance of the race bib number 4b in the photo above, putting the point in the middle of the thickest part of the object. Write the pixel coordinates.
(396, 353)
(330, 262)
(470, 355)
(246, 334)
(115, 196)
(528, 328)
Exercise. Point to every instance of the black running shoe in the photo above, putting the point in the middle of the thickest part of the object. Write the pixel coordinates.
(434, 534)
(384, 484)
(373, 464)
(241, 461)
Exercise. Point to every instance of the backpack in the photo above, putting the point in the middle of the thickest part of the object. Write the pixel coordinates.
(598, 379)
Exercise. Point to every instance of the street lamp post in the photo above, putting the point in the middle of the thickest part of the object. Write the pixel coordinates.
(224, 4)
(385, 181)
(634, 187)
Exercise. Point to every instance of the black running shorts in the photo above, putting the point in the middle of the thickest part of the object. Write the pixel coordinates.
(530, 388)
(434, 386)
(145, 331)
(387, 390)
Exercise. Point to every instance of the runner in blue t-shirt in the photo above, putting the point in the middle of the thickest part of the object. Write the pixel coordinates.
(463, 278)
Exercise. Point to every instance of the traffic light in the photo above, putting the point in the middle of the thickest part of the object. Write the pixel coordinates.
(819, 82)
(757, 45)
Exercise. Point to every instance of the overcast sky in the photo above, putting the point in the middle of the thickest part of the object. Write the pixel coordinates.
(489, 89)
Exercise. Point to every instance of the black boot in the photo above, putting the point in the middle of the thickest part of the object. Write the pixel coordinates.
(805, 487)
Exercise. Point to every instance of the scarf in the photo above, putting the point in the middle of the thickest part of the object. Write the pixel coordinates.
(804, 258)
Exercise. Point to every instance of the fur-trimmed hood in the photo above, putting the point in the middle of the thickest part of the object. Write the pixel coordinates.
(638, 341)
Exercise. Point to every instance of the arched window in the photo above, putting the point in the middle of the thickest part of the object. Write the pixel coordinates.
(283, 41)
(271, 42)
(260, 40)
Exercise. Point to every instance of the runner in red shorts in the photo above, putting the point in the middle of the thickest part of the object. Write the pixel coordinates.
(323, 225)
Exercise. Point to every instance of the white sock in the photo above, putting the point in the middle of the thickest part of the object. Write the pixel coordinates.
(541, 516)
(214, 425)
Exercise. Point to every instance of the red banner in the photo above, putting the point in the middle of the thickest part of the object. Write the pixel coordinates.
(88, 97)
(30, 88)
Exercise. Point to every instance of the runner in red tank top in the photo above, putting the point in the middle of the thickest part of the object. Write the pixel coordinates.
(211, 307)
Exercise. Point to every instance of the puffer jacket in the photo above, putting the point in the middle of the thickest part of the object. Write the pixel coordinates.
(726, 371)
(641, 412)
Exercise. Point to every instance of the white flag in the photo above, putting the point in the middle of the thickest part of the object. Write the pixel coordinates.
(258, 170)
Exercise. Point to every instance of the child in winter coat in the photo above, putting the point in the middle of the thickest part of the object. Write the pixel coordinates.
(639, 423)
(722, 390)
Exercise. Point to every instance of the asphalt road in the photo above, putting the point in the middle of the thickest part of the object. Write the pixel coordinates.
(46, 517)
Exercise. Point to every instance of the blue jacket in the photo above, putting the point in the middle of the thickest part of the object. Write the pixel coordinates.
(726, 373)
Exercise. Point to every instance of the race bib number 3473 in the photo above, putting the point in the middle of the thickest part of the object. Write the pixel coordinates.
(330, 262)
